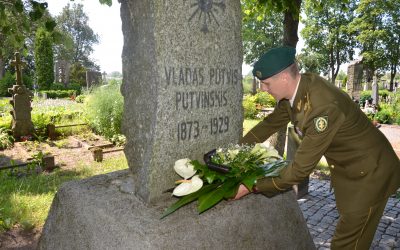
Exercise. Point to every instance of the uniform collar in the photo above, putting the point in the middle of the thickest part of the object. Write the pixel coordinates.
(295, 93)
(301, 93)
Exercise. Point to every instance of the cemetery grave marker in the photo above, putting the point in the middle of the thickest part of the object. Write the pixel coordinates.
(21, 101)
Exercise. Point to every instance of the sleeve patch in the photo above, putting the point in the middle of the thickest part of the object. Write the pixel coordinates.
(321, 123)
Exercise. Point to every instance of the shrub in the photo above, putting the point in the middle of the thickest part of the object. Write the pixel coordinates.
(384, 116)
(264, 99)
(6, 82)
(57, 86)
(6, 139)
(53, 94)
(80, 98)
(249, 106)
(103, 110)
(44, 58)
(75, 86)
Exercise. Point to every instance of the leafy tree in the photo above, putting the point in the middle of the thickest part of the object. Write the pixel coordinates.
(260, 31)
(392, 43)
(73, 23)
(325, 34)
(44, 59)
(18, 22)
(78, 74)
(310, 62)
(290, 10)
(369, 29)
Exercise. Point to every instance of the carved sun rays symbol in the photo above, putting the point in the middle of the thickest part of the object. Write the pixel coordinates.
(206, 10)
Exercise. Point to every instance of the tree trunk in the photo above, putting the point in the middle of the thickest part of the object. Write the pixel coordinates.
(290, 26)
(392, 76)
(1, 68)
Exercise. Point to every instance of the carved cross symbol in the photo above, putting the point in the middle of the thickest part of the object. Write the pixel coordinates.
(207, 9)
(18, 67)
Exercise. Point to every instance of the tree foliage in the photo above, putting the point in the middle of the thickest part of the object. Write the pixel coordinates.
(326, 35)
(44, 59)
(369, 30)
(73, 23)
(260, 31)
(392, 43)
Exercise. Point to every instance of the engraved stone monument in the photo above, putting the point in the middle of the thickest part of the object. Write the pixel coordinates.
(354, 74)
(21, 101)
(183, 97)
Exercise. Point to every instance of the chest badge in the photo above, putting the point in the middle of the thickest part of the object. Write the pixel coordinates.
(321, 123)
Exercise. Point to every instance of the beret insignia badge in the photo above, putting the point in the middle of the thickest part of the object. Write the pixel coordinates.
(321, 123)
(258, 74)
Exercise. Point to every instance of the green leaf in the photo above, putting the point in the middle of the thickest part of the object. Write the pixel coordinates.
(19, 6)
(188, 199)
(50, 25)
(209, 200)
(249, 181)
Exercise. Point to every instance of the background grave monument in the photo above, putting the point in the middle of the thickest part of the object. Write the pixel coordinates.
(93, 78)
(183, 97)
(354, 79)
(21, 102)
(375, 91)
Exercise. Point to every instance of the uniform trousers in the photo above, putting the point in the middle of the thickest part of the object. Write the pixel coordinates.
(356, 230)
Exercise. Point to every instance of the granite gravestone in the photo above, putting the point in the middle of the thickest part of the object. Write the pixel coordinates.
(21, 101)
(183, 97)
(62, 71)
(354, 74)
(375, 92)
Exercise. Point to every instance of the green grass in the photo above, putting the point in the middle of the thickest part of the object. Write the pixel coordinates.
(26, 200)
(249, 124)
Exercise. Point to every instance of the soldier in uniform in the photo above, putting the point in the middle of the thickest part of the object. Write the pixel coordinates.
(365, 170)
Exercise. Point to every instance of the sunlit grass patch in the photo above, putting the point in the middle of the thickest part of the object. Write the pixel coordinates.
(26, 200)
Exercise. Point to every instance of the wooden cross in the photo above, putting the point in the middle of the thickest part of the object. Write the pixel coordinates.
(18, 67)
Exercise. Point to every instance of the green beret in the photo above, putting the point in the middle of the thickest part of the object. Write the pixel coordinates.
(273, 62)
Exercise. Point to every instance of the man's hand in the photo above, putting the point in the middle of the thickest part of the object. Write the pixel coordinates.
(242, 191)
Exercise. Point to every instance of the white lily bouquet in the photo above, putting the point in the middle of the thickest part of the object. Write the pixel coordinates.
(223, 172)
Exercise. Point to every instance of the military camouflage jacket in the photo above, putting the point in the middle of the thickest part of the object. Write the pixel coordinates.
(364, 167)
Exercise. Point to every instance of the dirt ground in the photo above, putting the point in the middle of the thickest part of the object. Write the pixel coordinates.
(70, 149)
(66, 152)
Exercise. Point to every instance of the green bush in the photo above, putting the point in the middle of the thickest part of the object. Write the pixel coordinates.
(103, 110)
(6, 82)
(75, 86)
(249, 106)
(80, 98)
(365, 96)
(384, 116)
(264, 99)
(44, 58)
(53, 94)
(6, 139)
(57, 86)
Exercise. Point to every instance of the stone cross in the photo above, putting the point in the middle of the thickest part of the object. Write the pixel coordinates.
(18, 67)
(21, 101)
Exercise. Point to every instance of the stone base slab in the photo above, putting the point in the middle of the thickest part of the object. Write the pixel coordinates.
(102, 212)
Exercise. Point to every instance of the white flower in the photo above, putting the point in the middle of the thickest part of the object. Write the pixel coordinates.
(232, 153)
(265, 150)
(188, 186)
(184, 168)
